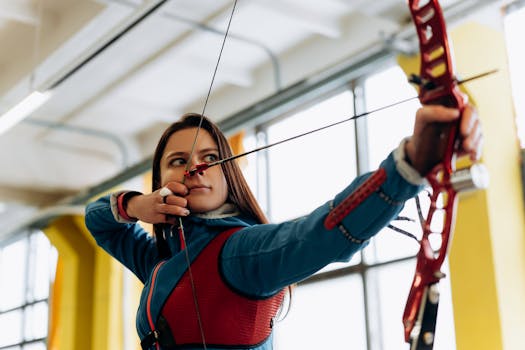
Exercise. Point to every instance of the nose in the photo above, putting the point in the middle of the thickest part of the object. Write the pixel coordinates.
(198, 169)
(196, 166)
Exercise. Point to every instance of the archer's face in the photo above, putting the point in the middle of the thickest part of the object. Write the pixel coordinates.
(207, 191)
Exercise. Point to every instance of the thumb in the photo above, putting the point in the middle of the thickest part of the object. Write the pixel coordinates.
(437, 113)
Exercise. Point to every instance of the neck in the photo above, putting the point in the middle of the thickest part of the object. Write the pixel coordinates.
(224, 211)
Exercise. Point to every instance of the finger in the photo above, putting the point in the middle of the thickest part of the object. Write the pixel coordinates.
(472, 144)
(479, 150)
(172, 205)
(477, 145)
(437, 113)
(468, 120)
(177, 188)
(176, 200)
(174, 210)
(468, 143)
(165, 191)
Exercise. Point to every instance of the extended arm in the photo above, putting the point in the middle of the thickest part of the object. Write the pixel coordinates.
(263, 259)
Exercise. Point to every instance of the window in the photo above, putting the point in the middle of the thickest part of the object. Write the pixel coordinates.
(514, 29)
(360, 303)
(318, 165)
(330, 312)
(27, 267)
(385, 129)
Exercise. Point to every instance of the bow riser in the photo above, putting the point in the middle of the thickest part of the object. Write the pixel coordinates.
(438, 87)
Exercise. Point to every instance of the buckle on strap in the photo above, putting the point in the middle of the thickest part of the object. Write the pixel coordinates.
(150, 339)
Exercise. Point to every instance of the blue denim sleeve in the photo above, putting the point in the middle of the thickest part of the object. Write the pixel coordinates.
(127, 242)
(262, 259)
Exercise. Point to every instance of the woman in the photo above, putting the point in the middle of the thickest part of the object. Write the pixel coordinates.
(220, 284)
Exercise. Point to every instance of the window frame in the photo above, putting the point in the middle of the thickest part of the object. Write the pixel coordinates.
(30, 237)
(364, 269)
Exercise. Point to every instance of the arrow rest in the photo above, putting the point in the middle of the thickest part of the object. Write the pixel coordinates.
(422, 83)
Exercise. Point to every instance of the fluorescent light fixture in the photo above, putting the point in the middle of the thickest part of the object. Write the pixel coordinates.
(23, 109)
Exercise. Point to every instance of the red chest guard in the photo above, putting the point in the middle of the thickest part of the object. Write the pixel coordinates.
(228, 318)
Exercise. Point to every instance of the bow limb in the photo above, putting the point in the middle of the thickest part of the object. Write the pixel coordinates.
(438, 86)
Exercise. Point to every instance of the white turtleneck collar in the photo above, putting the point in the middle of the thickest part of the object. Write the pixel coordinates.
(224, 211)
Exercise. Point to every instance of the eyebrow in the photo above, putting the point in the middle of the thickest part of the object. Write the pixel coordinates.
(175, 154)
(182, 153)
(209, 149)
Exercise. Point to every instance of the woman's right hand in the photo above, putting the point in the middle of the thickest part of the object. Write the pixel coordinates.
(154, 208)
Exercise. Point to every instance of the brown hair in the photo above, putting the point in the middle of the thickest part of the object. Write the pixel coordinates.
(239, 192)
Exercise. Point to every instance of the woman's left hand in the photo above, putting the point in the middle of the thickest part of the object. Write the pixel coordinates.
(469, 131)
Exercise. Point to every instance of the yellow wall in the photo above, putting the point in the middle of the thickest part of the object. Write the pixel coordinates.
(76, 304)
(86, 302)
(487, 258)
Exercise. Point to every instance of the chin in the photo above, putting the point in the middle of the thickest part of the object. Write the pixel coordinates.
(204, 203)
(200, 208)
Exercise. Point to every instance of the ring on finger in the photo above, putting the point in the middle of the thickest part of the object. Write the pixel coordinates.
(165, 192)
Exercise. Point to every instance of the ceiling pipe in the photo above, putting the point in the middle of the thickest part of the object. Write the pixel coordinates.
(122, 29)
(113, 138)
(276, 67)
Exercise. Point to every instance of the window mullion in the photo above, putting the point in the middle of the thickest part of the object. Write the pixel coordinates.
(361, 129)
(27, 285)
(370, 283)
(262, 172)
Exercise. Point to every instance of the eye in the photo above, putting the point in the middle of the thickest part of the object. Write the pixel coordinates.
(210, 158)
(177, 162)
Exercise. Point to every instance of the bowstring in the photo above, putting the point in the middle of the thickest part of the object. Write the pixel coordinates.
(187, 167)
(354, 117)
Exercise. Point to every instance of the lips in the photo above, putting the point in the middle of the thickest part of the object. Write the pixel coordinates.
(198, 188)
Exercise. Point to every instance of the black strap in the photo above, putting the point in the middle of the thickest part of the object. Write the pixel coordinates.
(161, 335)
(149, 340)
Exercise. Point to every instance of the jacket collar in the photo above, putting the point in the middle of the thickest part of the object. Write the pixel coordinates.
(224, 211)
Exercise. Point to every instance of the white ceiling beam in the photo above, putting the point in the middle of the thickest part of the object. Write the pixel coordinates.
(20, 11)
(307, 18)
(227, 73)
(123, 2)
(378, 7)
(330, 6)
(31, 196)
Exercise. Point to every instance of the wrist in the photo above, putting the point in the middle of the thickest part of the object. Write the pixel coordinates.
(409, 152)
(404, 164)
(122, 205)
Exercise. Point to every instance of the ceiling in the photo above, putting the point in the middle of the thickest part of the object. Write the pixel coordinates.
(111, 99)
